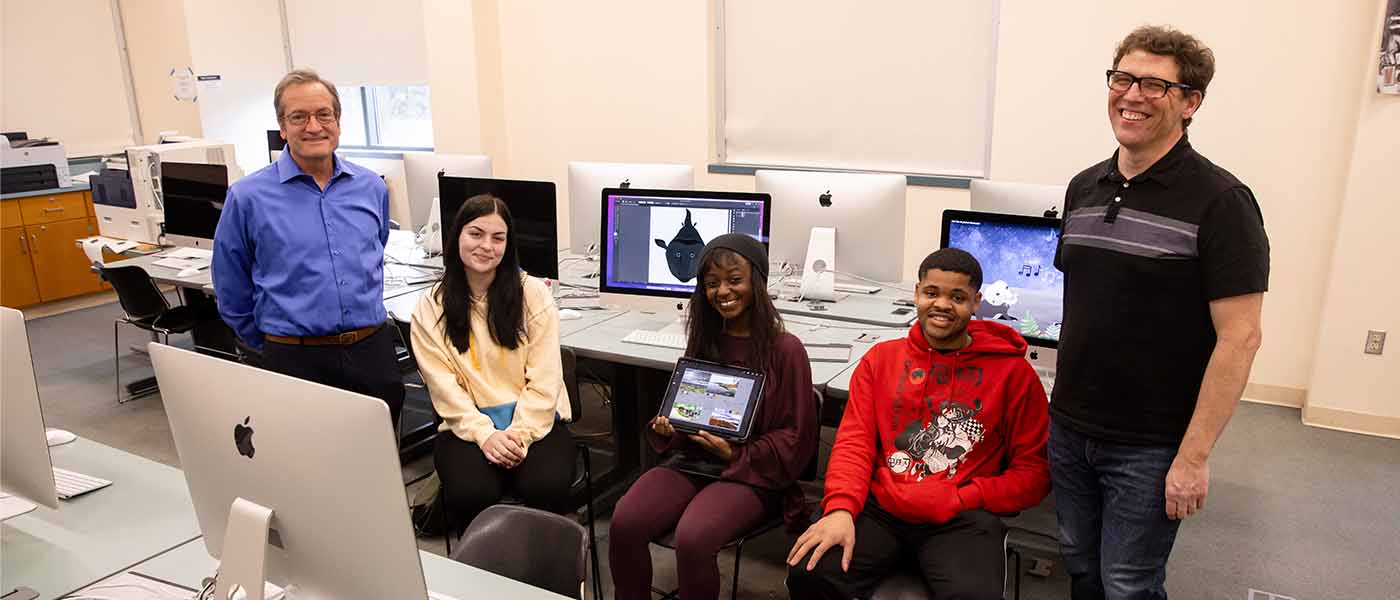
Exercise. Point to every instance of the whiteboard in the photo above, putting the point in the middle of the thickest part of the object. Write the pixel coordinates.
(901, 86)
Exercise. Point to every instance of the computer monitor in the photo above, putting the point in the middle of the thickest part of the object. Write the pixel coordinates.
(533, 210)
(653, 238)
(866, 209)
(339, 526)
(1020, 285)
(26, 473)
(194, 198)
(421, 172)
(1010, 198)
(588, 179)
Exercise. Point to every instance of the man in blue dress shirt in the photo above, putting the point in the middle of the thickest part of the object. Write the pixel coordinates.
(299, 254)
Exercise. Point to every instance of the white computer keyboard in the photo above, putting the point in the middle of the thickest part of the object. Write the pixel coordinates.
(69, 484)
(656, 338)
(199, 253)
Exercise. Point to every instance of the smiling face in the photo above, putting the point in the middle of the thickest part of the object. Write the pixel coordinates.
(313, 140)
(945, 302)
(482, 244)
(728, 285)
(1150, 125)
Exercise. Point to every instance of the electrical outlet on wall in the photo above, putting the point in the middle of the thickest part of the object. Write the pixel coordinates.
(1375, 342)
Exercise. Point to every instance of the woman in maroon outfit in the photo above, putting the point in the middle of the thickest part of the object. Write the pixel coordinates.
(732, 321)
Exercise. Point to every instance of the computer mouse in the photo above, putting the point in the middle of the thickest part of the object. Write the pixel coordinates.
(190, 272)
(59, 436)
(569, 314)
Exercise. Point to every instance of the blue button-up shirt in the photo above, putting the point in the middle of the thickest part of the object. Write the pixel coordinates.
(292, 259)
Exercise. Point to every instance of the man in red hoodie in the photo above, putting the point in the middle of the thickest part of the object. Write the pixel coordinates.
(943, 429)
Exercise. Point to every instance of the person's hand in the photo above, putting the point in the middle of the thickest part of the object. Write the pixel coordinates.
(503, 449)
(835, 529)
(713, 444)
(662, 427)
(1188, 481)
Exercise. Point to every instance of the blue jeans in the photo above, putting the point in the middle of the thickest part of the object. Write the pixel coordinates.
(1111, 503)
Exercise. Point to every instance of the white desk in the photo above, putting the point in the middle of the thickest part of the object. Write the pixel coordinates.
(146, 511)
(188, 564)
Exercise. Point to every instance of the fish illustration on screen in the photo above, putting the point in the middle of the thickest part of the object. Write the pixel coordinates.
(683, 253)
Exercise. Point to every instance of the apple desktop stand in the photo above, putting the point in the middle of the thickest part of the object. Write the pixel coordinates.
(243, 559)
(818, 270)
(14, 506)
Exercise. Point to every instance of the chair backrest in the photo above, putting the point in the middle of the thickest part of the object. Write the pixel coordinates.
(138, 295)
(570, 364)
(533, 546)
(812, 471)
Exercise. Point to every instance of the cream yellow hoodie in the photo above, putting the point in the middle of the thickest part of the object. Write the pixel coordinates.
(489, 387)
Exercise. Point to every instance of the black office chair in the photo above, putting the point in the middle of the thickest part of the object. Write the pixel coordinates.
(583, 480)
(906, 584)
(668, 540)
(145, 307)
(528, 545)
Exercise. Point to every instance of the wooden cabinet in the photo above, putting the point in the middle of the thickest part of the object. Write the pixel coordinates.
(42, 260)
(17, 285)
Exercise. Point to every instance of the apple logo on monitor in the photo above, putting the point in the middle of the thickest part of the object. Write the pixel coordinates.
(243, 438)
(825, 199)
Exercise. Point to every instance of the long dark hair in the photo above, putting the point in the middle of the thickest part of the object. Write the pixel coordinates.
(705, 326)
(505, 307)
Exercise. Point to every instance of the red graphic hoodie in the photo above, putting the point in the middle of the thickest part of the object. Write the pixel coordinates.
(930, 434)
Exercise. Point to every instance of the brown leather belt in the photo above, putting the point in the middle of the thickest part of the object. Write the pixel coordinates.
(340, 339)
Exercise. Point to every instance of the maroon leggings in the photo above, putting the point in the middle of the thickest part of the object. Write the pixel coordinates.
(705, 513)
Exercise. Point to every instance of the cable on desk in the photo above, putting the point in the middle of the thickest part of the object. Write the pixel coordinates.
(424, 268)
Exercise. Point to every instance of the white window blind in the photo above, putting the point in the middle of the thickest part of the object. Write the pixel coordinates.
(902, 85)
(64, 75)
(359, 42)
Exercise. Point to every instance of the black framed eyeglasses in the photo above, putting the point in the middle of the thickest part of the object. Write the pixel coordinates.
(1151, 87)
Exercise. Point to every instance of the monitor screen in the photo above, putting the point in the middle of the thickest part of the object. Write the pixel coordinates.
(652, 238)
(1020, 285)
(194, 198)
(532, 206)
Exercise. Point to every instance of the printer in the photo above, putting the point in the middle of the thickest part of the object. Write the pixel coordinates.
(139, 214)
(27, 165)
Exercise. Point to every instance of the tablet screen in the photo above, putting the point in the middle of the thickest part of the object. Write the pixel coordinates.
(716, 398)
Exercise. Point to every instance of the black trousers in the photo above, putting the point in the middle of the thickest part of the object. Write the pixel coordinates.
(470, 483)
(366, 367)
(963, 558)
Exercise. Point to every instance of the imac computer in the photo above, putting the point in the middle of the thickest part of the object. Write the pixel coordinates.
(27, 475)
(588, 179)
(1020, 285)
(532, 209)
(837, 223)
(1009, 198)
(324, 512)
(421, 171)
(194, 199)
(652, 240)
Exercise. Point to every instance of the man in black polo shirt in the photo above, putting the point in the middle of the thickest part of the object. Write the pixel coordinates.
(1166, 262)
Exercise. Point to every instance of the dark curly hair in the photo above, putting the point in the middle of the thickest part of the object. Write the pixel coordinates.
(1194, 61)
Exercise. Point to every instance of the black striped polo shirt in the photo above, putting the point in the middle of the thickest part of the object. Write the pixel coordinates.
(1142, 259)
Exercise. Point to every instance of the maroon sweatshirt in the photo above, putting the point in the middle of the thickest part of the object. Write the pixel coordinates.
(784, 437)
(930, 435)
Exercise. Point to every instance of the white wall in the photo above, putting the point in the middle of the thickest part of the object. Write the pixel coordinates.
(1351, 390)
(157, 43)
(452, 76)
(63, 75)
(242, 42)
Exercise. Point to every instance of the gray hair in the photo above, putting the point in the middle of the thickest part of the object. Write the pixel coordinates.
(298, 77)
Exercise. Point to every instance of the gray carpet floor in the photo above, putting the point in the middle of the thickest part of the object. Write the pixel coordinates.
(1302, 512)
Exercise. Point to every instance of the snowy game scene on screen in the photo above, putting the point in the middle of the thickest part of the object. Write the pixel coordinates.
(1020, 284)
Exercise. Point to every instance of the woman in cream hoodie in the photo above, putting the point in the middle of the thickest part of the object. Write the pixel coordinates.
(487, 343)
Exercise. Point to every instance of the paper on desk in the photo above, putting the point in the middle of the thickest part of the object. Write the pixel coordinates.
(92, 247)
